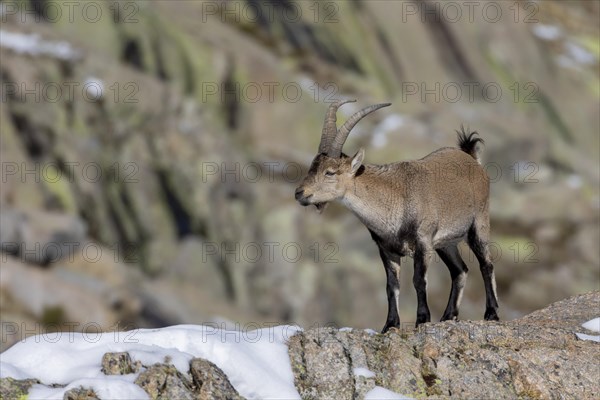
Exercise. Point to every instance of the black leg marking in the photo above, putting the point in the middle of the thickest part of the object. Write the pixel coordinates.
(392, 272)
(458, 272)
(478, 242)
(421, 260)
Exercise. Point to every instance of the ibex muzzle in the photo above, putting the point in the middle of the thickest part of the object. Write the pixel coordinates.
(409, 208)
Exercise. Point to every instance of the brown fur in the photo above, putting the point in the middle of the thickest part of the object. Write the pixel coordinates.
(414, 208)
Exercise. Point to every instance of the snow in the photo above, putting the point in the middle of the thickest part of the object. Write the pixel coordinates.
(389, 124)
(579, 54)
(370, 331)
(591, 338)
(363, 372)
(379, 393)
(576, 56)
(256, 362)
(574, 181)
(31, 44)
(106, 387)
(346, 329)
(94, 88)
(547, 32)
(592, 325)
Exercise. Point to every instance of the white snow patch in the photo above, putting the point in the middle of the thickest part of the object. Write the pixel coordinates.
(94, 88)
(106, 387)
(379, 393)
(31, 44)
(576, 56)
(591, 338)
(308, 84)
(9, 370)
(389, 124)
(346, 329)
(579, 54)
(574, 181)
(592, 325)
(363, 372)
(547, 32)
(256, 362)
(370, 331)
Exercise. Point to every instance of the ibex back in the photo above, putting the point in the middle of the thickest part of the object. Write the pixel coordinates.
(410, 208)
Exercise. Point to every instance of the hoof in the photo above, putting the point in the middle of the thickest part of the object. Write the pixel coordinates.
(491, 315)
(449, 318)
(390, 325)
(422, 318)
(451, 315)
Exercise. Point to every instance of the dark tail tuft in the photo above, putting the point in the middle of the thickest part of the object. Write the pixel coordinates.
(468, 142)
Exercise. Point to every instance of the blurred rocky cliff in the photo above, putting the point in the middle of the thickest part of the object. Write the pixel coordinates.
(150, 152)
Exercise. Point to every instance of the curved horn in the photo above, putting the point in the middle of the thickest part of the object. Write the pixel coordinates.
(329, 125)
(344, 131)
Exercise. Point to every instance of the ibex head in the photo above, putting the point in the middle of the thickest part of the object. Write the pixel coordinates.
(331, 172)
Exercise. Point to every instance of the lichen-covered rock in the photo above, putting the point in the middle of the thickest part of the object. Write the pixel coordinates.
(163, 381)
(80, 393)
(118, 364)
(15, 389)
(211, 382)
(322, 365)
(538, 356)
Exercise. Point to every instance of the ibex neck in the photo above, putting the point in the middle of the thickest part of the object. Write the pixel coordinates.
(376, 199)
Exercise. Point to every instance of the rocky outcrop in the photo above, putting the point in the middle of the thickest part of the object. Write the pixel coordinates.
(203, 381)
(119, 364)
(163, 381)
(537, 357)
(211, 382)
(80, 393)
(15, 389)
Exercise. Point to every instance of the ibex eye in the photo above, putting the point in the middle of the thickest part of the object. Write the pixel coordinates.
(329, 173)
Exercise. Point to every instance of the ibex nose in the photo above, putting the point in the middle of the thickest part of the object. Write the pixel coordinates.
(299, 193)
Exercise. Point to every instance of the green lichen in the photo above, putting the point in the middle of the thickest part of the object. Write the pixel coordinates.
(58, 184)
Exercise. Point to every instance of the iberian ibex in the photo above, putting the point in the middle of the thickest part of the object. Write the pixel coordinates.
(410, 207)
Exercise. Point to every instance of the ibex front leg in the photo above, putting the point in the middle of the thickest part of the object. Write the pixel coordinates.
(421, 261)
(392, 272)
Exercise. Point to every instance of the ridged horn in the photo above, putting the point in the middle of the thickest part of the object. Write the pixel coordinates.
(330, 126)
(340, 138)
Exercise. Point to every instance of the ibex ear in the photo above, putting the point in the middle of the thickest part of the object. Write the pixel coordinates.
(357, 161)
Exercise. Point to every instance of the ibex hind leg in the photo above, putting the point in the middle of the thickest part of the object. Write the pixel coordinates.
(458, 272)
(478, 240)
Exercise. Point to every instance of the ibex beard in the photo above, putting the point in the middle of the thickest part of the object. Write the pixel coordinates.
(410, 209)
